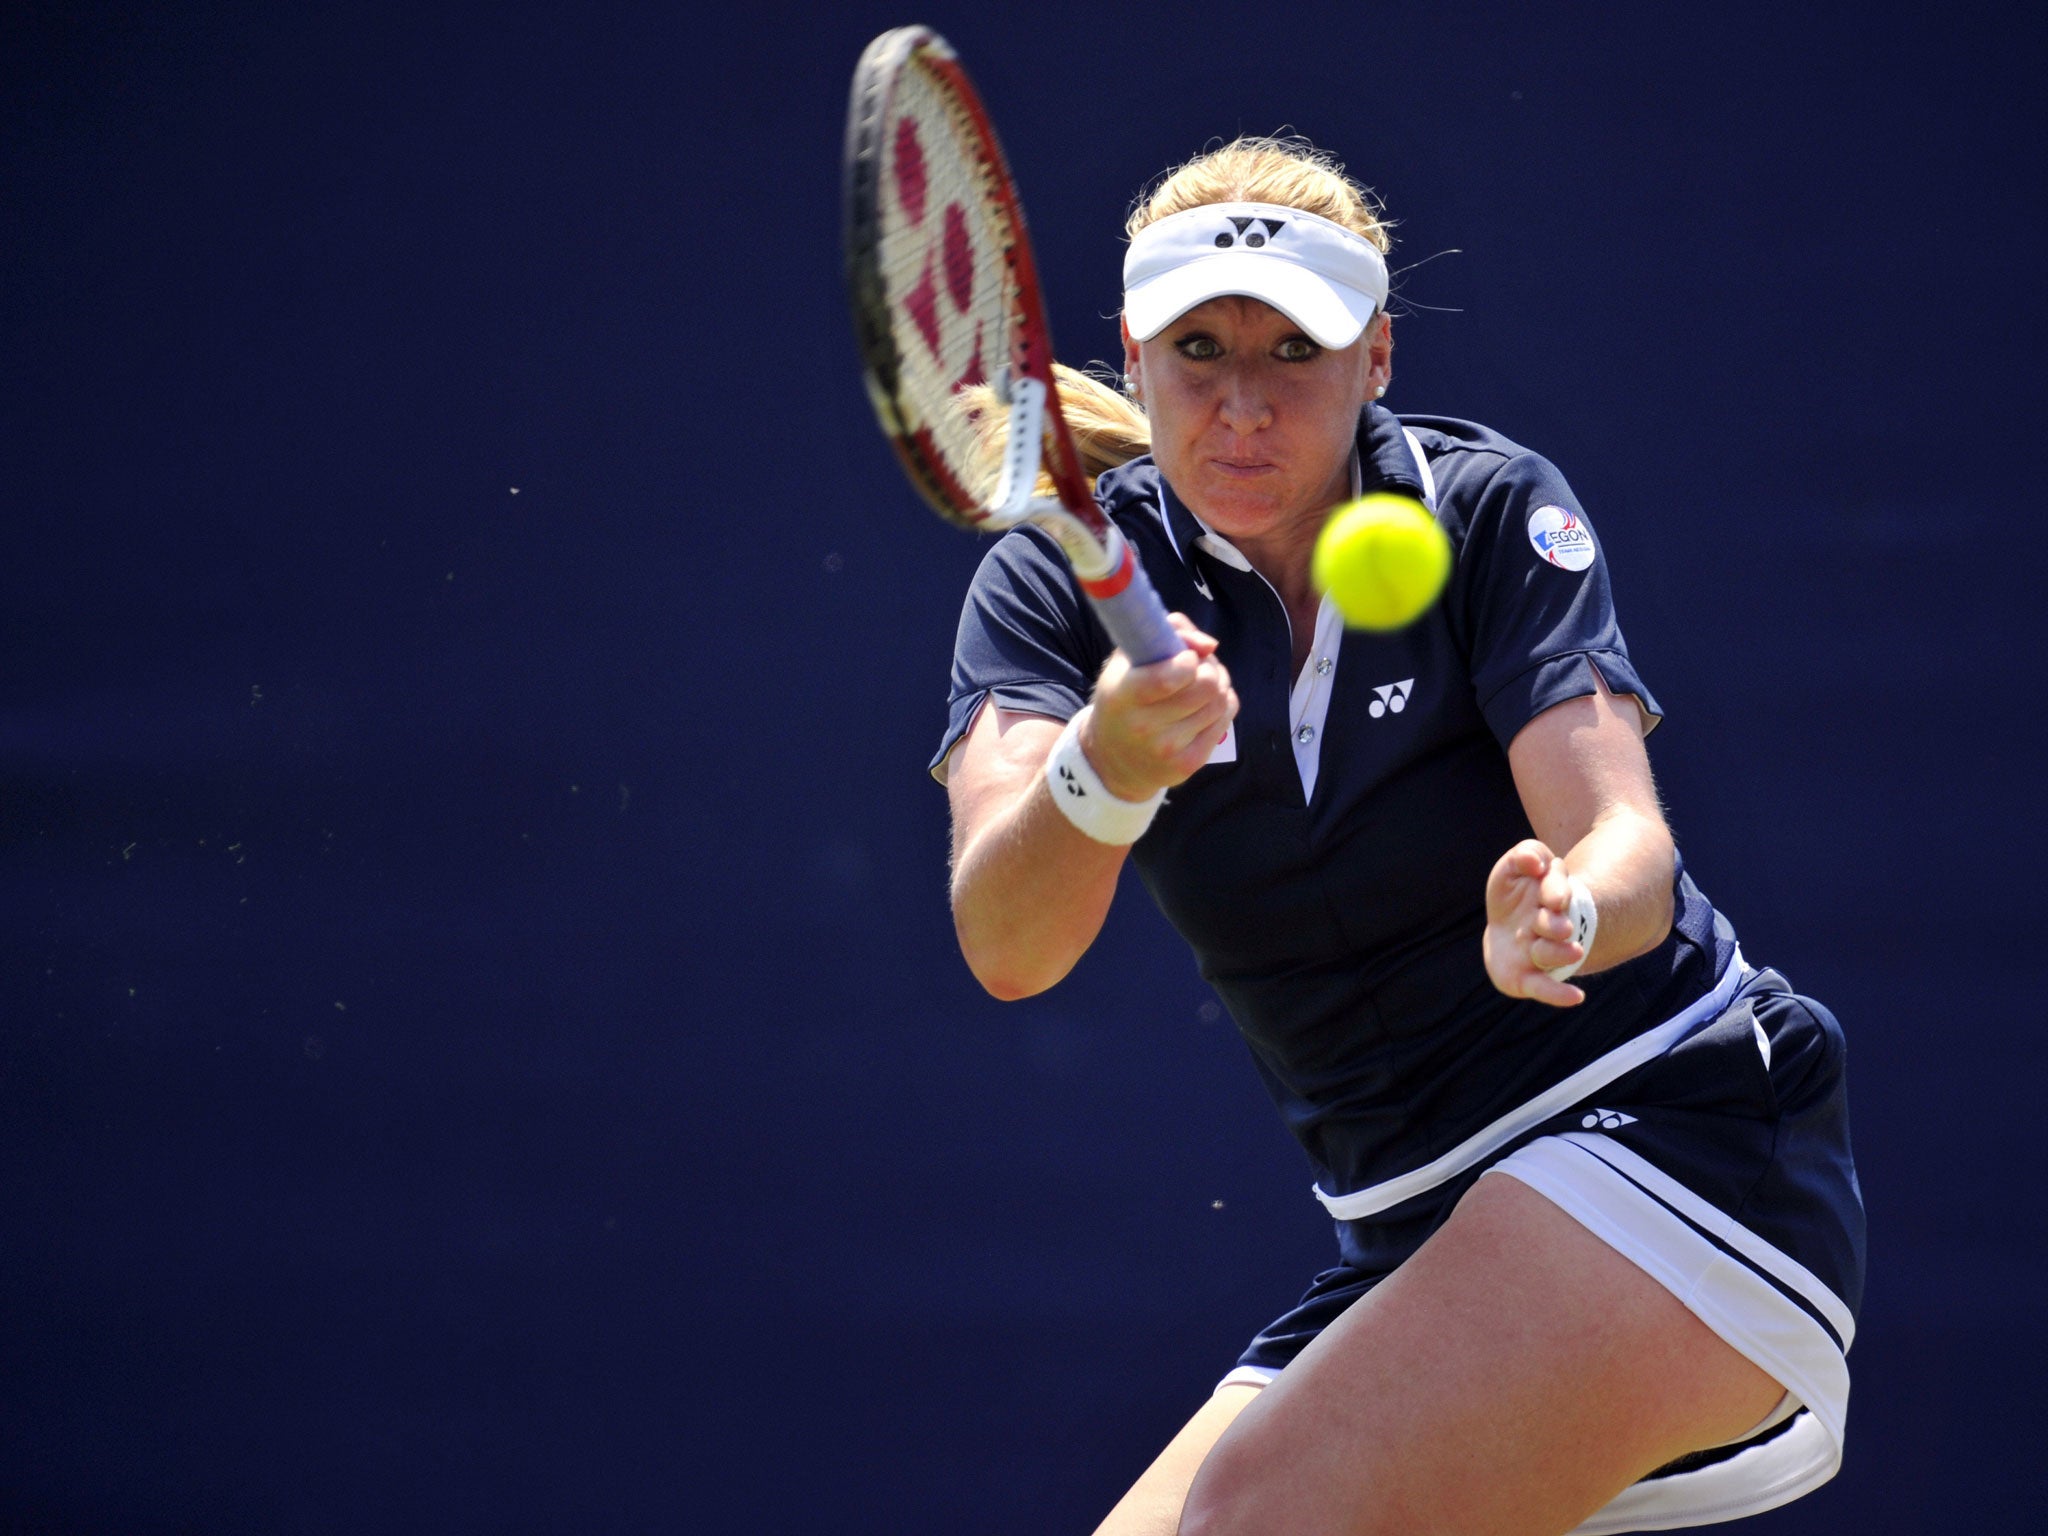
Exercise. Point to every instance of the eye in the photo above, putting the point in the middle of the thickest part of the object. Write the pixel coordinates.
(1297, 349)
(1198, 348)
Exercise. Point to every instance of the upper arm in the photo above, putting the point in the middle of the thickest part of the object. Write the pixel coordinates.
(998, 759)
(1581, 762)
(1026, 642)
(1531, 600)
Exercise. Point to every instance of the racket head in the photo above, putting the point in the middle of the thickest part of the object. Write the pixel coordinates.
(940, 276)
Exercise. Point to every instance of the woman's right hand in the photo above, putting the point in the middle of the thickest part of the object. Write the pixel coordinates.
(1150, 727)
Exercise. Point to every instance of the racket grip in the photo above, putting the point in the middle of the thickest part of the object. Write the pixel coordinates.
(1132, 613)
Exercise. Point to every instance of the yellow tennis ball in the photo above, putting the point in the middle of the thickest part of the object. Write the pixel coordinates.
(1382, 559)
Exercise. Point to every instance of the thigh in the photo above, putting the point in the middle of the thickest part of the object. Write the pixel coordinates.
(1153, 1506)
(1512, 1377)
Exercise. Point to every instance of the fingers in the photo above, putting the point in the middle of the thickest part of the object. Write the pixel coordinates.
(1539, 988)
(1152, 726)
(1199, 643)
(1527, 931)
(1515, 971)
(1162, 680)
(1517, 876)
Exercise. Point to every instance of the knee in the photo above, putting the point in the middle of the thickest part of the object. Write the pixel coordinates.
(1224, 1499)
(1206, 1514)
(1248, 1489)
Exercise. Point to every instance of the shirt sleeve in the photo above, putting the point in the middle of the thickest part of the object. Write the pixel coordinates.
(1026, 636)
(1536, 610)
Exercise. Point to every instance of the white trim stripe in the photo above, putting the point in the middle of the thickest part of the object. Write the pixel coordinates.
(1589, 1079)
(1248, 1376)
(1787, 1270)
(1421, 468)
(1166, 522)
(1748, 1483)
(1745, 1309)
(1763, 1477)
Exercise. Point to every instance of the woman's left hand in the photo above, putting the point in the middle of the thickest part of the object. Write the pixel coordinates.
(1527, 932)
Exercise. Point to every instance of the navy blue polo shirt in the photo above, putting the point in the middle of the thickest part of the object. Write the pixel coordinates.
(1342, 927)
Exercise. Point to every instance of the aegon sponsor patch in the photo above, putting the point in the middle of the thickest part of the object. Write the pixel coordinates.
(1560, 538)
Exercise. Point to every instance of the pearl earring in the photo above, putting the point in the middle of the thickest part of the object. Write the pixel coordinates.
(1379, 391)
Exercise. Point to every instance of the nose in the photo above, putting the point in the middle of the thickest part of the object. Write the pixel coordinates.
(1243, 406)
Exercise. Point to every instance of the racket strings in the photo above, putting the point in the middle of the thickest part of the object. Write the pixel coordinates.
(944, 262)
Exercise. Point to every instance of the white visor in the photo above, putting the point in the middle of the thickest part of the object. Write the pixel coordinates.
(1320, 275)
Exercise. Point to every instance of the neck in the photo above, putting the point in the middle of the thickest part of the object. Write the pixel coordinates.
(1285, 555)
(1284, 559)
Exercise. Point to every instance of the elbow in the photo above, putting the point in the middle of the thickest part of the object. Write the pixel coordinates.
(1646, 905)
(1663, 892)
(1006, 989)
(1005, 977)
(1005, 972)
(1660, 917)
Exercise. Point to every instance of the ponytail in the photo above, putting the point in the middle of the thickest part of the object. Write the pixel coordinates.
(1107, 429)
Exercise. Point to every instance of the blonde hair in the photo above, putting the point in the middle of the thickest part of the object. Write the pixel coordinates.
(1289, 173)
(1110, 430)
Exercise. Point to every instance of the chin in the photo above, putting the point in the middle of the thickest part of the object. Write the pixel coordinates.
(1236, 510)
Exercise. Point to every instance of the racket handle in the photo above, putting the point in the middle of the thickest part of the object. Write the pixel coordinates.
(1132, 613)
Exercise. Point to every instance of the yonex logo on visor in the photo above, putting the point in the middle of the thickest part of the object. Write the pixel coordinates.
(1256, 238)
(1322, 276)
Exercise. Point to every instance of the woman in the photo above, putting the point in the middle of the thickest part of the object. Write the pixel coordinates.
(1600, 1242)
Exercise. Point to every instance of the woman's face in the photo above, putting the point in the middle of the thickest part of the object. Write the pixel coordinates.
(1252, 421)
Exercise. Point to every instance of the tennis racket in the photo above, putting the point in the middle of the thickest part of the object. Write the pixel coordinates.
(945, 295)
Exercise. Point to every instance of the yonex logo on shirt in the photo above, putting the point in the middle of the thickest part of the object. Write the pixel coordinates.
(1607, 1120)
(1391, 698)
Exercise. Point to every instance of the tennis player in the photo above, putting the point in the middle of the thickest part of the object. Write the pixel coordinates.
(1599, 1238)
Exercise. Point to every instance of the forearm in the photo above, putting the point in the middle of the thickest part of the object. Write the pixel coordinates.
(1626, 861)
(1585, 783)
(1030, 892)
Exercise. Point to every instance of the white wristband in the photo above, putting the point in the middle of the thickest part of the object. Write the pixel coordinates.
(1585, 920)
(1086, 801)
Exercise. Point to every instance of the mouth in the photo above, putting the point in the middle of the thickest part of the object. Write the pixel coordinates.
(1242, 469)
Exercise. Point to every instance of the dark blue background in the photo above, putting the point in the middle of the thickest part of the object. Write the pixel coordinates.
(482, 1048)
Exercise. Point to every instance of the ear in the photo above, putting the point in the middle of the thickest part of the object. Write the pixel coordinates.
(1130, 348)
(1379, 352)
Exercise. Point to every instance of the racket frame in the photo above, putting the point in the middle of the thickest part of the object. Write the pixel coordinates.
(1104, 563)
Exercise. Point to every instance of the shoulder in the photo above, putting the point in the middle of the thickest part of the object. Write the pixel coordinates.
(1443, 436)
(1024, 562)
(1130, 494)
(1025, 566)
(1133, 496)
(1027, 561)
(1483, 476)
(1466, 454)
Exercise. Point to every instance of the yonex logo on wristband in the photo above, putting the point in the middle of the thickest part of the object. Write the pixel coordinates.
(1088, 802)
